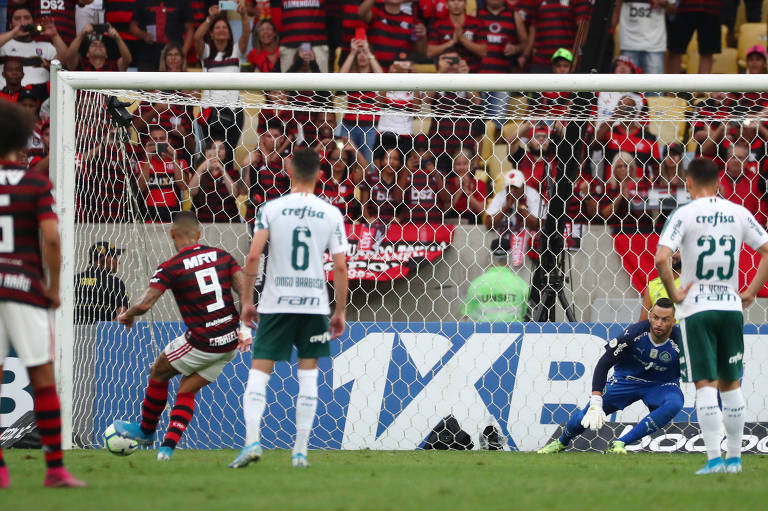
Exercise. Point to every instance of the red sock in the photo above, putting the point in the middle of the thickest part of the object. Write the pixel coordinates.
(154, 403)
(181, 415)
(48, 415)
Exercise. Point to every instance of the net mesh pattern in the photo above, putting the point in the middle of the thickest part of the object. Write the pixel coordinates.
(423, 179)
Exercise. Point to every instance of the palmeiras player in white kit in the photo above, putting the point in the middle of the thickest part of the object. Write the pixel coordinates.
(709, 232)
(202, 279)
(646, 366)
(26, 218)
(293, 307)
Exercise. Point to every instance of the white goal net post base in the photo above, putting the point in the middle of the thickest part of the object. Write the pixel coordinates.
(371, 362)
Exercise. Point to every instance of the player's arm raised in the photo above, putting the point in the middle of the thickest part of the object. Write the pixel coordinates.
(664, 267)
(51, 245)
(151, 296)
(749, 294)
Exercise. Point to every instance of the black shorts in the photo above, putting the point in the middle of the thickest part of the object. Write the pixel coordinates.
(707, 27)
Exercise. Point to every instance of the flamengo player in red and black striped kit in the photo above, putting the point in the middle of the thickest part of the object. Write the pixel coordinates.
(202, 279)
(26, 219)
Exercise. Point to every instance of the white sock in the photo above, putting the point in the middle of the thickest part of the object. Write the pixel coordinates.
(254, 403)
(733, 417)
(710, 420)
(306, 406)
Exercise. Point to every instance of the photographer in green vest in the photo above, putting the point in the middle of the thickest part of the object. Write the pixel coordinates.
(498, 294)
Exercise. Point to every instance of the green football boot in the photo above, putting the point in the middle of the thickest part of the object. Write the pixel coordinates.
(617, 447)
(552, 447)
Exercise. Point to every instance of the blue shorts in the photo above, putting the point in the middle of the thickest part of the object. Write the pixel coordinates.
(619, 394)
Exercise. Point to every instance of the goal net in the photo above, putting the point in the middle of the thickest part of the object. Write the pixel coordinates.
(564, 181)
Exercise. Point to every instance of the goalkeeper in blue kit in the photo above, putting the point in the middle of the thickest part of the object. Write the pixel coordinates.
(646, 366)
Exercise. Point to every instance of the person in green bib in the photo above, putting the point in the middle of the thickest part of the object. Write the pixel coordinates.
(498, 294)
(656, 290)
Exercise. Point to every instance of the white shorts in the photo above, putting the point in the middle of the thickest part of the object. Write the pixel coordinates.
(187, 359)
(28, 329)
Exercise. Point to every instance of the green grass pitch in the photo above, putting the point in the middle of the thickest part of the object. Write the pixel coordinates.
(386, 480)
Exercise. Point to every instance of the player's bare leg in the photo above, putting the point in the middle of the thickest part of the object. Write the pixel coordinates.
(254, 404)
(181, 414)
(306, 407)
(48, 417)
(734, 408)
(710, 419)
(5, 478)
(155, 399)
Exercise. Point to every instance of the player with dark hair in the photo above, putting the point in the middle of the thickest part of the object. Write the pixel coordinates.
(202, 279)
(646, 366)
(30, 239)
(709, 232)
(293, 306)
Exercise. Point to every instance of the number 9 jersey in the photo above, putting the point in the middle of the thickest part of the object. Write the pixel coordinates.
(709, 232)
(200, 278)
(301, 228)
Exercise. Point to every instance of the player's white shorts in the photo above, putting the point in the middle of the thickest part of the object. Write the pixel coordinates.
(28, 329)
(187, 359)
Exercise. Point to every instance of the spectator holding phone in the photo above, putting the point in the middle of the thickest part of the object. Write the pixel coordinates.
(213, 188)
(20, 42)
(392, 30)
(622, 205)
(358, 123)
(466, 34)
(220, 53)
(304, 26)
(95, 51)
(161, 180)
(59, 12)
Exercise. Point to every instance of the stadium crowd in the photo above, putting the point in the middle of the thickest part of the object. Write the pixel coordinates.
(381, 169)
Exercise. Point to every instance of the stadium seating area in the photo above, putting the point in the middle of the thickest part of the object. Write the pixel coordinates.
(224, 162)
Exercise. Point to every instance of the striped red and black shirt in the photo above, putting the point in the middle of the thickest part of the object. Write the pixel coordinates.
(709, 6)
(421, 199)
(214, 202)
(201, 279)
(26, 201)
(303, 22)
(102, 194)
(638, 142)
(359, 102)
(337, 194)
(118, 13)
(501, 30)
(267, 181)
(381, 202)
(474, 30)
(390, 34)
(451, 131)
(556, 23)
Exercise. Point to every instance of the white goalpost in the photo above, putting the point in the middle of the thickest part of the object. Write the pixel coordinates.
(413, 353)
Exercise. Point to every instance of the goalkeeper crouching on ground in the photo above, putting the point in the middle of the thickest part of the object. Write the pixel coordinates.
(646, 365)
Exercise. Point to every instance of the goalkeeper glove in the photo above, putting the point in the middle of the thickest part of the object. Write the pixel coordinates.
(595, 416)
